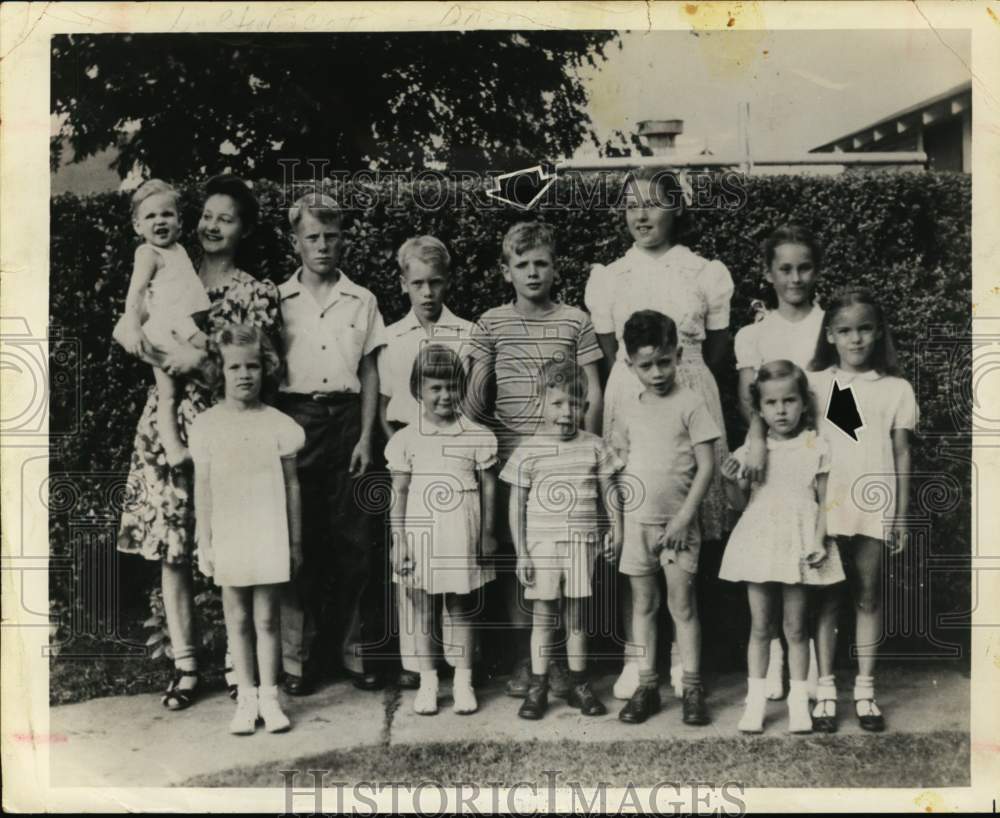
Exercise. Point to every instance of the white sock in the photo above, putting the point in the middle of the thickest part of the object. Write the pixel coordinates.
(429, 678)
(463, 676)
(864, 687)
(799, 720)
(756, 703)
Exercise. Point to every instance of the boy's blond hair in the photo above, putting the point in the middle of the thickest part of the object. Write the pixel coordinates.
(151, 187)
(527, 236)
(318, 205)
(427, 249)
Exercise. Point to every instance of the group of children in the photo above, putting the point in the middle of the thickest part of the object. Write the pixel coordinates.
(501, 469)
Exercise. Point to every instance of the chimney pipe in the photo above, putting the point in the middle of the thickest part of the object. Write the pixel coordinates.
(661, 133)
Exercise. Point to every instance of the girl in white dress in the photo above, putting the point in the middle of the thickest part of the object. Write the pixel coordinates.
(869, 486)
(164, 296)
(659, 274)
(779, 546)
(247, 513)
(442, 518)
(792, 258)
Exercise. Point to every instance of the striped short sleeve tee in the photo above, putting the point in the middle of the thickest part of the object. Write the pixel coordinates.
(518, 346)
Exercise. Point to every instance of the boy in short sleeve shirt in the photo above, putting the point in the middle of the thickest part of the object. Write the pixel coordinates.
(331, 329)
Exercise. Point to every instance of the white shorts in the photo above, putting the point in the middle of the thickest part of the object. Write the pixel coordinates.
(563, 569)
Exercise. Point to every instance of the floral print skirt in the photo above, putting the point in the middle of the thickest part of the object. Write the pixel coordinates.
(157, 518)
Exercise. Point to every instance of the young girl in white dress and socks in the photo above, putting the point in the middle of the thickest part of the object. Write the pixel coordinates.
(247, 512)
(779, 547)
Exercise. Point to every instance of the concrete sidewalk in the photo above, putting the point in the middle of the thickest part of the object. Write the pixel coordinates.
(134, 741)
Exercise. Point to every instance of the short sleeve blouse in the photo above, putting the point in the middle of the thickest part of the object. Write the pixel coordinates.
(692, 290)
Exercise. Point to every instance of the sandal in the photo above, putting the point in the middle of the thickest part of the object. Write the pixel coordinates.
(177, 698)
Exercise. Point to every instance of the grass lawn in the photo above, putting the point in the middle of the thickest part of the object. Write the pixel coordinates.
(939, 759)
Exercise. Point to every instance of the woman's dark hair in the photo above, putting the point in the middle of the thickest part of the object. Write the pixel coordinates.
(883, 358)
(649, 328)
(236, 189)
(440, 362)
(780, 370)
(242, 335)
(792, 234)
(669, 194)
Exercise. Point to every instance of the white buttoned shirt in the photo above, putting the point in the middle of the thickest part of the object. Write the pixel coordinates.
(403, 342)
(324, 343)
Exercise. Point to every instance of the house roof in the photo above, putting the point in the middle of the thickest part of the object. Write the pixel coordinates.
(950, 103)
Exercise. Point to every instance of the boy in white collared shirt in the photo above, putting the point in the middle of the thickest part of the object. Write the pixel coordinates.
(425, 271)
(332, 330)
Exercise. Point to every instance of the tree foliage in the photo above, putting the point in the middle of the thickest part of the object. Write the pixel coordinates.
(187, 105)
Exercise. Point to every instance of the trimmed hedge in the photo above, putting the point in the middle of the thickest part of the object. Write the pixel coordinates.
(904, 235)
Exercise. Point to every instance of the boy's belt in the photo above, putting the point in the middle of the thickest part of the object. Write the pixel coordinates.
(324, 398)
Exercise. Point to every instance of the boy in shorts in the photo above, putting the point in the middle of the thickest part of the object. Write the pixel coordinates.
(558, 478)
(666, 442)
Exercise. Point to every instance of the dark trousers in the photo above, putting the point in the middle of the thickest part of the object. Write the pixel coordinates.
(333, 608)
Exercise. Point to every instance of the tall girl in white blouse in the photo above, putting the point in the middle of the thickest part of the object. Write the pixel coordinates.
(657, 273)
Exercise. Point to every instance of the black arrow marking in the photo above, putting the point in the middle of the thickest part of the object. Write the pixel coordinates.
(522, 188)
(843, 412)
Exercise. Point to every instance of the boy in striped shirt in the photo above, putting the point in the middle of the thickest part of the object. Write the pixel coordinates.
(508, 346)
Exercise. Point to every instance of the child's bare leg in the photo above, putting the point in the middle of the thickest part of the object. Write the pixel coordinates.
(425, 702)
(267, 626)
(761, 598)
(460, 646)
(796, 630)
(237, 606)
(826, 628)
(797, 635)
(645, 605)
(407, 629)
(576, 635)
(867, 555)
(545, 615)
(423, 638)
(683, 605)
(825, 712)
(461, 608)
(166, 418)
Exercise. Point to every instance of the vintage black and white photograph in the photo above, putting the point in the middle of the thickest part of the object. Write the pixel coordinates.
(491, 412)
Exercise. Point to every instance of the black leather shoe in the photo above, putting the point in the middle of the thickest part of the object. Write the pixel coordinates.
(560, 682)
(370, 681)
(644, 703)
(296, 685)
(583, 697)
(694, 706)
(873, 721)
(408, 680)
(535, 703)
(519, 682)
(826, 722)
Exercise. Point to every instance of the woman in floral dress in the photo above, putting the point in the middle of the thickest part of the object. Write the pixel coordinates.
(158, 520)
